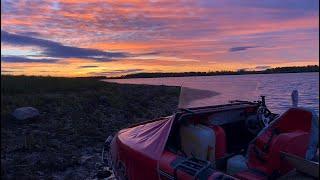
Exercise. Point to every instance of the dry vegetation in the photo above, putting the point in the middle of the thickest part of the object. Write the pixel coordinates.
(77, 115)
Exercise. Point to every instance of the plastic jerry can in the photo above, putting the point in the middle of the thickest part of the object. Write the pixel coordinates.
(198, 141)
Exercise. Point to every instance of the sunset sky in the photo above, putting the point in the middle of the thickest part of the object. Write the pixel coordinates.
(111, 38)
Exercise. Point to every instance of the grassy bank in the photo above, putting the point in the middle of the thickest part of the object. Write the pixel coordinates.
(77, 115)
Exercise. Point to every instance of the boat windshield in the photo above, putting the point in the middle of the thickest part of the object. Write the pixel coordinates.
(209, 94)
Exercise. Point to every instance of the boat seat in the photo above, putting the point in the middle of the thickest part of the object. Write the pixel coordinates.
(270, 161)
(288, 133)
(293, 119)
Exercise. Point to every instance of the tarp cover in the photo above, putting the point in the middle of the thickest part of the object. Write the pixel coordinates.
(136, 150)
(149, 139)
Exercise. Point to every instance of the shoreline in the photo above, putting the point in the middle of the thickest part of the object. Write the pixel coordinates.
(116, 78)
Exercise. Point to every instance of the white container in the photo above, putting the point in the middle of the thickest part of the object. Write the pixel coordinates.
(236, 164)
(198, 141)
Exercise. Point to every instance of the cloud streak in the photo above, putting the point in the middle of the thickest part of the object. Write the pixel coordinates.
(241, 48)
(262, 67)
(115, 72)
(20, 59)
(88, 66)
(58, 50)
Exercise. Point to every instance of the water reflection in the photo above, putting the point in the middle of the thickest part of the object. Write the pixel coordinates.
(276, 87)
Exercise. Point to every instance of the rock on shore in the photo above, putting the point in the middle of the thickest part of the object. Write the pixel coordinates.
(25, 113)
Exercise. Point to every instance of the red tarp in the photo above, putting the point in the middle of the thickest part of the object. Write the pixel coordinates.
(139, 148)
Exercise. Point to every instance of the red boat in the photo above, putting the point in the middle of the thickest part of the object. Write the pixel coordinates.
(238, 140)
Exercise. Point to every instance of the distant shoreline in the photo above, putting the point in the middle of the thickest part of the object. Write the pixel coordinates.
(214, 75)
(279, 70)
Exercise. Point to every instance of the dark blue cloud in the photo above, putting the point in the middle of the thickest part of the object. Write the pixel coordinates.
(58, 50)
(7, 71)
(48, 71)
(241, 48)
(20, 59)
(23, 40)
(89, 66)
(115, 72)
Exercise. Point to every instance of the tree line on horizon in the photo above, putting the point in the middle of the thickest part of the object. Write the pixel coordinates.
(293, 69)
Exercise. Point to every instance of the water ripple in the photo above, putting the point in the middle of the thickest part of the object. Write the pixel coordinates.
(276, 87)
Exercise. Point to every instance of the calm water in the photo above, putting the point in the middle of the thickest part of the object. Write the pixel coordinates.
(276, 87)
